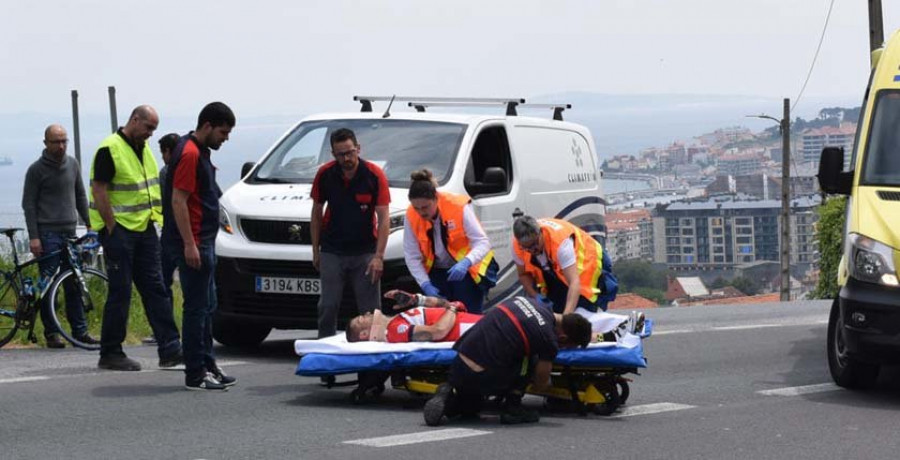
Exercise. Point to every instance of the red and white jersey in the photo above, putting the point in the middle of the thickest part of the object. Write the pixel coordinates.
(400, 328)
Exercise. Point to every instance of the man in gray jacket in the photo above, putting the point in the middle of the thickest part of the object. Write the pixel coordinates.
(53, 198)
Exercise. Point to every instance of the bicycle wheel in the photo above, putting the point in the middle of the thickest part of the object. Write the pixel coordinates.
(9, 304)
(92, 295)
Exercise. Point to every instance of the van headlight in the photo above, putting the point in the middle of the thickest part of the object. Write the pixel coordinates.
(872, 261)
(224, 221)
(397, 221)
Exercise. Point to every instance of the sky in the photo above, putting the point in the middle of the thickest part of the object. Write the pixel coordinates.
(298, 57)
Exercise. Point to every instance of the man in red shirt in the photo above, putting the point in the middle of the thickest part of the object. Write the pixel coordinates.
(424, 319)
(191, 215)
(348, 246)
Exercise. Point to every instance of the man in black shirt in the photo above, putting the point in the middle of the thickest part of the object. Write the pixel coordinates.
(515, 340)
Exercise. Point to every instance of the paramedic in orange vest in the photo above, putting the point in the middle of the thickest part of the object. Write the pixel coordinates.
(559, 262)
(446, 250)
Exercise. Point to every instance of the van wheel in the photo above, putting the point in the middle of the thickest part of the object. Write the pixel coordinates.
(235, 334)
(845, 370)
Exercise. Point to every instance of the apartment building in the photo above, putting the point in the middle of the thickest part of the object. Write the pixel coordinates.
(709, 235)
(629, 234)
(814, 140)
(742, 164)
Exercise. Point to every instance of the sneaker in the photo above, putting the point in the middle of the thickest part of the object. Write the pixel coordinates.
(118, 363)
(436, 406)
(637, 322)
(217, 373)
(207, 382)
(55, 341)
(149, 340)
(514, 414)
(87, 339)
(172, 361)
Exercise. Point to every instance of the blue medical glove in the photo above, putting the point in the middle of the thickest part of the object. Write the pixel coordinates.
(459, 270)
(543, 301)
(430, 290)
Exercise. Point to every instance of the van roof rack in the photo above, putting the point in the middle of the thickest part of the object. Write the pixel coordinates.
(421, 102)
(557, 109)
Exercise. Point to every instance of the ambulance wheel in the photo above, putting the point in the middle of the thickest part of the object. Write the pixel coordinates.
(846, 370)
(612, 402)
(624, 390)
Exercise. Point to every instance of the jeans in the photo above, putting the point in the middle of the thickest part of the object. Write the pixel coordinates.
(54, 241)
(134, 257)
(464, 290)
(199, 289)
(168, 261)
(335, 271)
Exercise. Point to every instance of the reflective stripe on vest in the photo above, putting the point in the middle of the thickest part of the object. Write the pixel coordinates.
(134, 192)
(450, 208)
(588, 256)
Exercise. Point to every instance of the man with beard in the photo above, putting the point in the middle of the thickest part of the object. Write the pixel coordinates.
(192, 223)
(347, 246)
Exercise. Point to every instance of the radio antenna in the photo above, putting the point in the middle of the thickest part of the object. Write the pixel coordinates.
(387, 113)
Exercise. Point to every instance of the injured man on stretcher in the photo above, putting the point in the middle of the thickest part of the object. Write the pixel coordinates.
(433, 319)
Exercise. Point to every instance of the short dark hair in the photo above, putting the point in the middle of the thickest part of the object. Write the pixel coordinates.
(342, 135)
(577, 329)
(216, 114)
(168, 142)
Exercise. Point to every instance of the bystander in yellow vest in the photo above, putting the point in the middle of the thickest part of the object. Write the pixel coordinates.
(134, 192)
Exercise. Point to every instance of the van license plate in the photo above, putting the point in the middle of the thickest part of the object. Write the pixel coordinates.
(277, 285)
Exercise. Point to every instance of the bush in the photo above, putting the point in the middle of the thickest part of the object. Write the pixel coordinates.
(830, 234)
(633, 274)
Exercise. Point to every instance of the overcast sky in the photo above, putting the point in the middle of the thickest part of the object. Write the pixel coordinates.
(298, 57)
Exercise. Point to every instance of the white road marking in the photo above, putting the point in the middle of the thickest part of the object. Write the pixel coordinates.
(415, 438)
(25, 379)
(741, 327)
(646, 409)
(801, 390)
(38, 378)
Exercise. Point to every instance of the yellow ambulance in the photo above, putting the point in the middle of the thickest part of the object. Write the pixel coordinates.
(864, 324)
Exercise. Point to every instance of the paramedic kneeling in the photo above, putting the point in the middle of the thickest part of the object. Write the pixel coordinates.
(513, 341)
(561, 259)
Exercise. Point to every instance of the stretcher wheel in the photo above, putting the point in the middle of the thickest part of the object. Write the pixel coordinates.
(624, 390)
(361, 395)
(612, 402)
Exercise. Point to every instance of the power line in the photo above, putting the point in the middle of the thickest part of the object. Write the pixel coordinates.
(815, 56)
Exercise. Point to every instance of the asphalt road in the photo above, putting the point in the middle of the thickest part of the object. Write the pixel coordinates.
(723, 382)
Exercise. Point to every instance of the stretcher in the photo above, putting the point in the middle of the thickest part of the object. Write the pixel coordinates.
(592, 379)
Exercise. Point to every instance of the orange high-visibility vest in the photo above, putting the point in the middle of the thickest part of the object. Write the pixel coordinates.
(450, 208)
(588, 256)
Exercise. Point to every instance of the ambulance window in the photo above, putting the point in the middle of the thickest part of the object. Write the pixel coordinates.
(882, 161)
(489, 171)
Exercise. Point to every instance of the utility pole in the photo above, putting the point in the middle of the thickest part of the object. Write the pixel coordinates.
(75, 127)
(786, 202)
(876, 25)
(113, 119)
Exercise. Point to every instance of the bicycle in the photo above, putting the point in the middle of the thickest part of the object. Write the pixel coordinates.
(21, 299)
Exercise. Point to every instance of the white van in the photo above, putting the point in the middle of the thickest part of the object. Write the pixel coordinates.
(510, 165)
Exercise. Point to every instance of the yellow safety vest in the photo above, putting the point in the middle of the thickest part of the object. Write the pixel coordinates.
(134, 192)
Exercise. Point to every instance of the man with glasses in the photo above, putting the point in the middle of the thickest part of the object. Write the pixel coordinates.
(53, 199)
(348, 238)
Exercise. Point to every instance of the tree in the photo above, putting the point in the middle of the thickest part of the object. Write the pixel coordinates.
(745, 285)
(633, 274)
(718, 283)
(830, 233)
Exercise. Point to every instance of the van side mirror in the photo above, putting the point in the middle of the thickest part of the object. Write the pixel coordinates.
(248, 166)
(832, 178)
(495, 177)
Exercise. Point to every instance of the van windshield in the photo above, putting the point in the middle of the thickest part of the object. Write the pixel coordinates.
(397, 146)
(882, 164)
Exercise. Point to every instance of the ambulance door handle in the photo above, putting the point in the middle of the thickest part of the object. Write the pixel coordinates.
(518, 213)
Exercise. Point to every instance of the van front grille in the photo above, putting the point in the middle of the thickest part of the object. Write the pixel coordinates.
(276, 231)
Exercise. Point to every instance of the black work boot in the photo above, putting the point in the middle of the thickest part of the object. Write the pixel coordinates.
(436, 407)
(513, 413)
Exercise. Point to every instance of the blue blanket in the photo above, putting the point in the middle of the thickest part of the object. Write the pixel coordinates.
(315, 364)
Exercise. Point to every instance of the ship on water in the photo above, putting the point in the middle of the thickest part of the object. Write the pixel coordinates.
(5, 161)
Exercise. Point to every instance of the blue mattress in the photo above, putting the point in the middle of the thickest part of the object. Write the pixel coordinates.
(317, 364)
